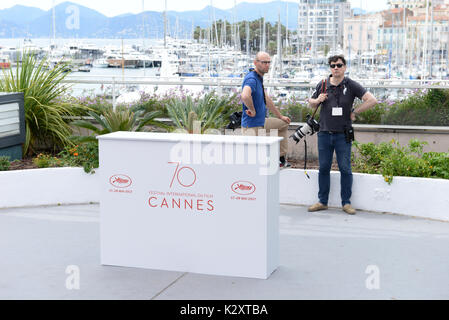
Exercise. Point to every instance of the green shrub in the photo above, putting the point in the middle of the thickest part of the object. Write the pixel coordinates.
(83, 155)
(4, 163)
(46, 161)
(430, 109)
(391, 159)
(297, 112)
(375, 115)
(152, 103)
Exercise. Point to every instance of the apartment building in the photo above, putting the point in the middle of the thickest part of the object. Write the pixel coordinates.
(360, 33)
(320, 24)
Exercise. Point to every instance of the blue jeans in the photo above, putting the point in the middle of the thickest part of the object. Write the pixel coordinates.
(327, 143)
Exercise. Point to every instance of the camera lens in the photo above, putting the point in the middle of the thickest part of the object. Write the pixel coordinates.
(301, 132)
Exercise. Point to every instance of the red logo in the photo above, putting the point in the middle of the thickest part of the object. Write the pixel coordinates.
(185, 176)
(120, 181)
(243, 188)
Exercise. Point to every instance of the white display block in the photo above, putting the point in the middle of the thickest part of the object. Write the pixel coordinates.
(191, 203)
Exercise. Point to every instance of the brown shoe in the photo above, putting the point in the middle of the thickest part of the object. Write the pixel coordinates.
(317, 207)
(349, 209)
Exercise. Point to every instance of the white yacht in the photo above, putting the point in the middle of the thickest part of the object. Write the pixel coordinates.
(100, 63)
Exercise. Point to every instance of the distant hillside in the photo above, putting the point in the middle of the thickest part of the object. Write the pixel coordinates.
(19, 14)
(21, 21)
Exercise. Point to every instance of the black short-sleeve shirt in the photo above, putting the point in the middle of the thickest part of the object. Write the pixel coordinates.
(342, 96)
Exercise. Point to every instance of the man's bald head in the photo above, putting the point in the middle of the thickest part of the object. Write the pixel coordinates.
(262, 62)
(261, 55)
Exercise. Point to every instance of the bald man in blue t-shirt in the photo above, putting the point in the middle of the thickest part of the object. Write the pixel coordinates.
(255, 102)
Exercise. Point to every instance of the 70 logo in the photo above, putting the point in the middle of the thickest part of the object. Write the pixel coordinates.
(185, 176)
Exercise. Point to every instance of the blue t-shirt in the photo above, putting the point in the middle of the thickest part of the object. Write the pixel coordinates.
(254, 81)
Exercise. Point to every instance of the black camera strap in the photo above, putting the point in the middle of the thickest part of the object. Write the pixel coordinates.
(323, 90)
(305, 157)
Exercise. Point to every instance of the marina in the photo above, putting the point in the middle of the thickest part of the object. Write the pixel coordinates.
(99, 125)
(200, 67)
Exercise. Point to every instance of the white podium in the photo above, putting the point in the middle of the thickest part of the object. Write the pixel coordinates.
(191, 203)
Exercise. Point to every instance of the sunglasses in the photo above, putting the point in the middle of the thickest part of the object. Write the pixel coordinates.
(264, 62)
(338, 65)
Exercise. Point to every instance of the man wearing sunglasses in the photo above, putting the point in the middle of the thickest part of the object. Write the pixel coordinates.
(336, 96)
(255, 101)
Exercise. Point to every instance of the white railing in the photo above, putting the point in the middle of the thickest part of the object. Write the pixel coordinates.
(118, 82)
(232, 82)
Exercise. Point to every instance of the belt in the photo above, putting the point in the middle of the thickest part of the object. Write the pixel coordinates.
(333, 132)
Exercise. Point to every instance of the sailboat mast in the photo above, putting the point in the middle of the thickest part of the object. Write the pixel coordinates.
(431, 40)
(54, 22)
(334, 30)
(165, 25)
(286, 29)
(234, 25)
(215, 22)
(404, 45)
(424, 56)
(279, 38)
(247, 38)
(264, 34)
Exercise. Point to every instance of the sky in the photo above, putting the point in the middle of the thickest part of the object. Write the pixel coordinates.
(112, 8)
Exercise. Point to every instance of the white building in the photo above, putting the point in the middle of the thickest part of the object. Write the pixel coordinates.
(360, 34)
(320, 24)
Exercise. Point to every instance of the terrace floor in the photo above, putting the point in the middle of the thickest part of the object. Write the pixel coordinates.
(325, 255)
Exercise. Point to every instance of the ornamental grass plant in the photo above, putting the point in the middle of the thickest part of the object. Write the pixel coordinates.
(41, 85)
(210, 112)
(122, 119)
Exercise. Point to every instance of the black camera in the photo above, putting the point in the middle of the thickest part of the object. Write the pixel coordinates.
(349, 134)
(235, 120)
(309, 128)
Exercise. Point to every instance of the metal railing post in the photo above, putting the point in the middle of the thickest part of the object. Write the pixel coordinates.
(219, 88)
(114, 102)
